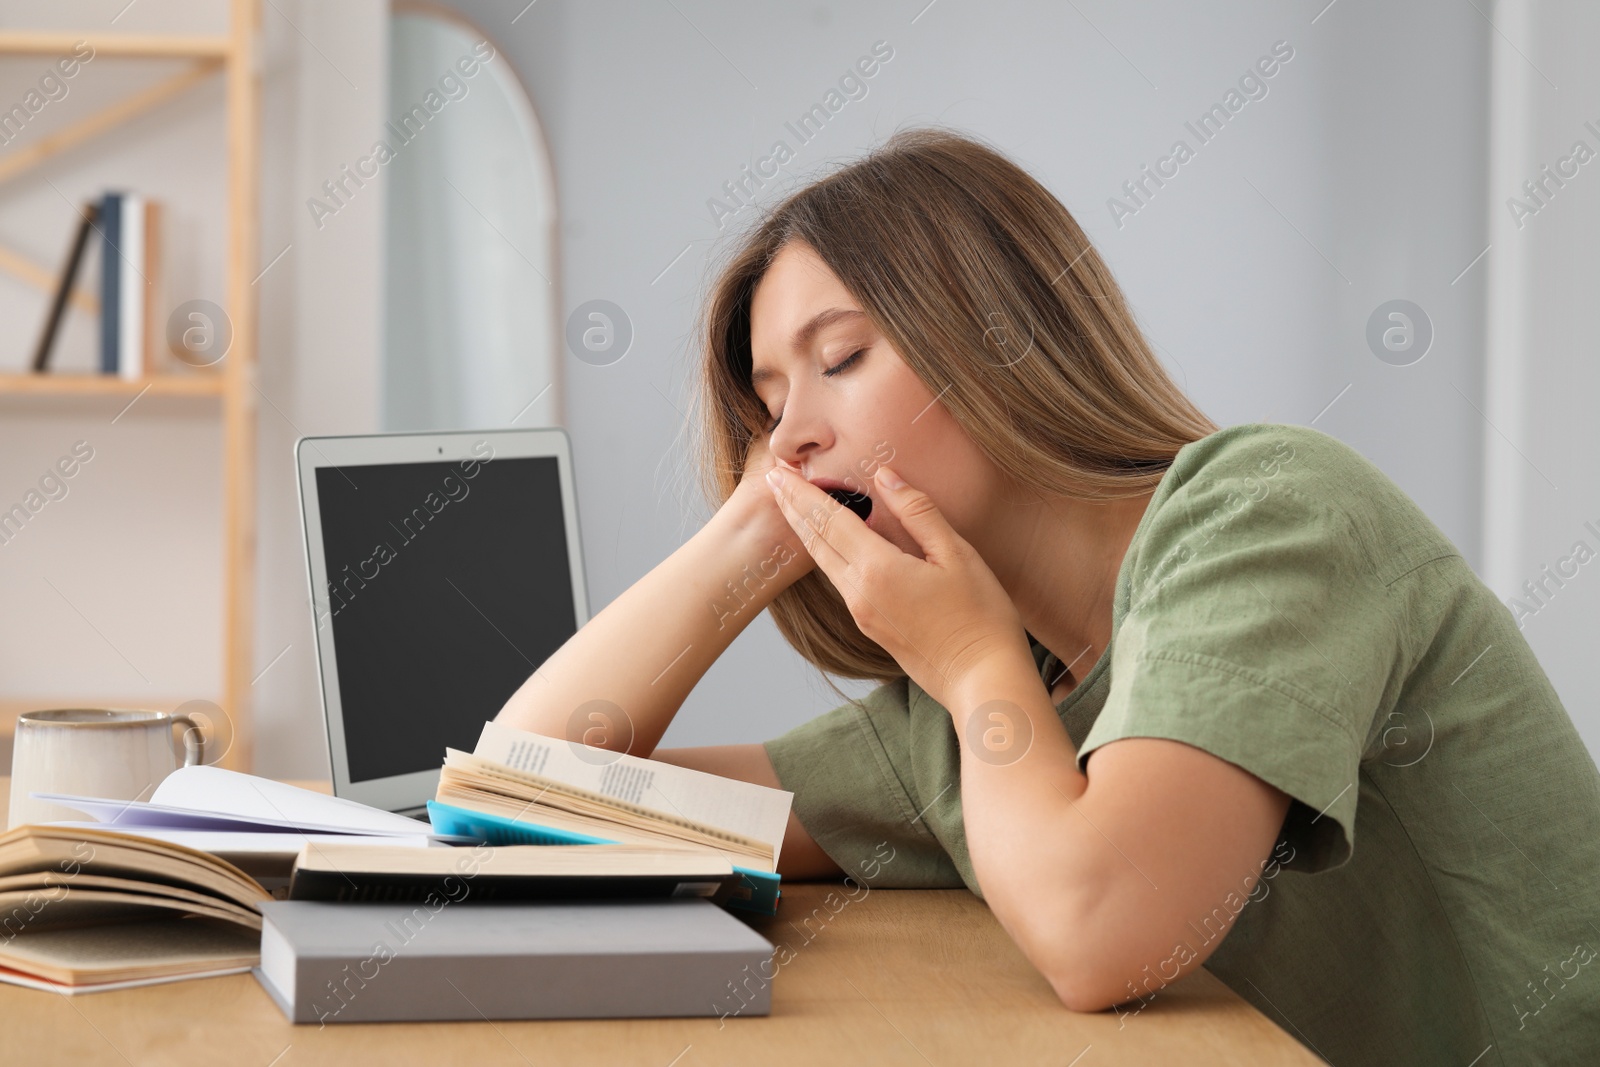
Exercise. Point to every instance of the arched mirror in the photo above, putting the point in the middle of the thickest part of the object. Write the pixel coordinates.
(471, 286)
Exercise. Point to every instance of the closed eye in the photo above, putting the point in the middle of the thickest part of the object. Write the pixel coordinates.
(838, 368)
(848, 361)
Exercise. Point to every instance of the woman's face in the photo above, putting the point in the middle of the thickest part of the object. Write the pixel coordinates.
(845, 403)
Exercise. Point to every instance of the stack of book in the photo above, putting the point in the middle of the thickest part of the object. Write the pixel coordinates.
(522, 788)
(556, 880)
(127, 231)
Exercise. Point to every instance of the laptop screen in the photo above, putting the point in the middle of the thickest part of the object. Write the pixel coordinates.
(448, 584)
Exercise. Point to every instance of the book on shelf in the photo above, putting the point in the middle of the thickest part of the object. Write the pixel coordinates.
(150, 325)
(130, 228)
(110, 227)
(68, 278)
(517, 787)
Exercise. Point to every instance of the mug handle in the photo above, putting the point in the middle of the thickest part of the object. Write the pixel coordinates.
(194, 741)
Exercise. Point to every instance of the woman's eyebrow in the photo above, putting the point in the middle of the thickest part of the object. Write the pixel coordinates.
(803, 336)
(820, 321)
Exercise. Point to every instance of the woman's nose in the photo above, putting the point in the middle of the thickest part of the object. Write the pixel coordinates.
(799, 433)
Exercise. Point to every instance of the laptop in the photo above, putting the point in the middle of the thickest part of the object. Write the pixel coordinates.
(444, 569)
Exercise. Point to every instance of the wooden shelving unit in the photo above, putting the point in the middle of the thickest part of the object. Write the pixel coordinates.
(111, 385)
(146, 45)
(235, 57)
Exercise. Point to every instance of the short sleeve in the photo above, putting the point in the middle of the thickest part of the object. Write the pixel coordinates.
(850, 797)
(1256, 628)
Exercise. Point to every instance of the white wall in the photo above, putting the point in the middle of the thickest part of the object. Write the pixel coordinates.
(322, 336)
(1542, 507)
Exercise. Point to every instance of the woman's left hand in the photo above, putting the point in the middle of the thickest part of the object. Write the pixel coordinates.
(940, 616)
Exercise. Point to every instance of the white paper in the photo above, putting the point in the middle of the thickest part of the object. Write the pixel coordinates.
(756, 811)
(196, 798)
(234, 793)
(27, 980)
(253, 843)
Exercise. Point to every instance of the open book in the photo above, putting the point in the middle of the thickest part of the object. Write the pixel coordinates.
(84, 910)
(169, 888)
(517, 787)
(255, 823)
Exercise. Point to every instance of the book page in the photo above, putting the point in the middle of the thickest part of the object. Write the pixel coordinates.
(121, 952)
(227, 843)
(211, 798)
(743, 807)
(84, 907)
(28, 981)
(107, 853)
(50, 887)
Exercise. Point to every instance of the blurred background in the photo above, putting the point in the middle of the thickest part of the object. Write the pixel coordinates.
(1389, 237)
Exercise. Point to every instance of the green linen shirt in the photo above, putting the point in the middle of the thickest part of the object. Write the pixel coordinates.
(1434, 897)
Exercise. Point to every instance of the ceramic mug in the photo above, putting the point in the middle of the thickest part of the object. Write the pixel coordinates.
(116, 754)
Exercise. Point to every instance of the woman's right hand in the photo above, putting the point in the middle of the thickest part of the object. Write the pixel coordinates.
(753, 502)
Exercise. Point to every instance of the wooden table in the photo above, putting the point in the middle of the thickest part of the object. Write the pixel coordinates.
(879, 976)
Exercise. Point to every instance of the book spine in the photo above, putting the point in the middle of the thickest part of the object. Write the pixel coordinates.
(69, 274)
(385, 888)
(152, 340)
(130, 295)
(437, 987)
(110, 226)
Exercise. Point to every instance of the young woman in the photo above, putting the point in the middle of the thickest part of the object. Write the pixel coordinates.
(1137, 672)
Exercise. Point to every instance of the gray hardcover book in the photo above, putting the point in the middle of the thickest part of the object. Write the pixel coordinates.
(326, 962)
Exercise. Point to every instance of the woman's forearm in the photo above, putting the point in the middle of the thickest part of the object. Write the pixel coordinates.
(1109, 888)
(619, 680)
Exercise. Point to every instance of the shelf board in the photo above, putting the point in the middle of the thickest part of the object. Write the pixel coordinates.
(109, 385)
(154, 45)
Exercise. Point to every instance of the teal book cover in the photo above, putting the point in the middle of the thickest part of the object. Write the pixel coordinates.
(758, 891)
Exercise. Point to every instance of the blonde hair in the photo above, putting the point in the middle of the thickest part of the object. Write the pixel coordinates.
(993, 296)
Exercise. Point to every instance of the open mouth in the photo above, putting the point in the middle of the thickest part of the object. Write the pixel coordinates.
(860, 503)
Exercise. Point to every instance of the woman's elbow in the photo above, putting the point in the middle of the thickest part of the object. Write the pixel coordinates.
(1089, 972)
(1081, 988)
(1074, 966)
(1069, 936)
(1099, 973)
